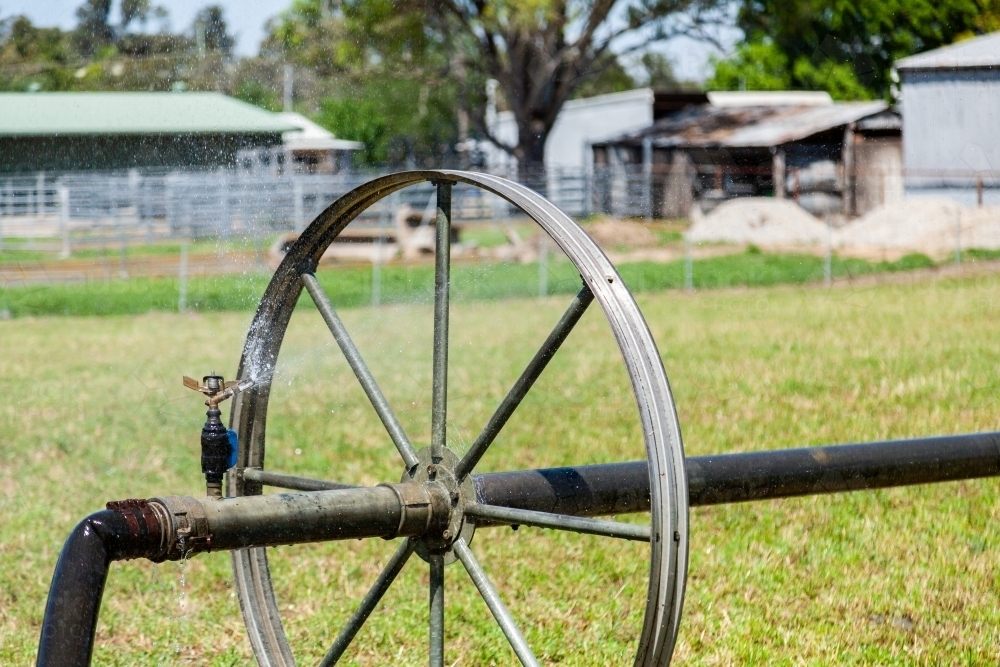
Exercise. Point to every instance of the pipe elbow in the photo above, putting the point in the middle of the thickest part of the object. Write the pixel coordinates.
(128, 529)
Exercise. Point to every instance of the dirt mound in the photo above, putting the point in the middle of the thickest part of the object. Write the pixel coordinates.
(616, 233)
(763, 222)
(931, 226)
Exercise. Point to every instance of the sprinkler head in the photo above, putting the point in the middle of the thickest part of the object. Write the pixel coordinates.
(216, 388)
(218, 444)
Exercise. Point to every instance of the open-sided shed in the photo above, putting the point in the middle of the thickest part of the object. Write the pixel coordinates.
(822, 153)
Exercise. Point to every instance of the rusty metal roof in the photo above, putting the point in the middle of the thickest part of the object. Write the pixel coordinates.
(753, 126)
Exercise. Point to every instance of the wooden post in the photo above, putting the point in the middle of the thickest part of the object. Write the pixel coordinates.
(778, 172)
(64, 220)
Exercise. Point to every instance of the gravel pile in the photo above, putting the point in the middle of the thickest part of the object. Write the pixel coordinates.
(762, 221)
(613, 233)
(931, 226)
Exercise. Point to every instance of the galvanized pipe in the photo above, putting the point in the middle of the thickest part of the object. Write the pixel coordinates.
(360, 368)
(524, 383)
(204, 524)
(442, 300)
(283, 481)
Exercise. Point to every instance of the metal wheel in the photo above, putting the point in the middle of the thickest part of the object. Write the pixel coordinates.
(668, 532)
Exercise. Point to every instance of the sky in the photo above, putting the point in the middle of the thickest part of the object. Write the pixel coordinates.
(246, 19)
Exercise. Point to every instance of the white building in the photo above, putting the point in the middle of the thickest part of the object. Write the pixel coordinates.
(309, 149)
(312, 148)
(580, 123)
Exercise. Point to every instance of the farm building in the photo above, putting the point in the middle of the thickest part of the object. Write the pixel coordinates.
(117, 131)
(310, 149)
(951, 133)
(830, 157)
(585, 121)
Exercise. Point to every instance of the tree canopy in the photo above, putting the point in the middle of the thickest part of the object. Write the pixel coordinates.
(111, 49)
(409, 77)
(846, 47)
(542, 51)
(419, 69)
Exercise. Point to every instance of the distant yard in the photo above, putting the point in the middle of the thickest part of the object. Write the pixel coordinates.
(94, 411)
(352, 286)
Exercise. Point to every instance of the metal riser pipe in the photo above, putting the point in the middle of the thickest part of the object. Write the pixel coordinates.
(206, 524)
(294, 518)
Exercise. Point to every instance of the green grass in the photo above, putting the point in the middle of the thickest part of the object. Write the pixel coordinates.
(94, 410)
(19, 251)
(409, 284)
(980, 254)
(665, 236)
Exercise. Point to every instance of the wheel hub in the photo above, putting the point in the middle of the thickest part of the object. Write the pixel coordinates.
(442, 535)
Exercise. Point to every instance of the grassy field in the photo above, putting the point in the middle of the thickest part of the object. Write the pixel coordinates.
(94, 411)
(410, 284)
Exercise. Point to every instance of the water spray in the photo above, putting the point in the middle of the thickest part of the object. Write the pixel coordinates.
(218, 444)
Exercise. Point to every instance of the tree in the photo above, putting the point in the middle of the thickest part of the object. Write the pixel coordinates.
(93, 29)
(846, 47)
(541, 51)
(658, 74)
(212, 32)
(613, 78)
(358, 121)
(134, 10)
(374, 73)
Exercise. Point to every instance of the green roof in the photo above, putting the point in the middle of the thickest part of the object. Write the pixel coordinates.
(38, 114)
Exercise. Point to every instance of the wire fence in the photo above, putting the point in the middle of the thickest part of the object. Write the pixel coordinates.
(65, 211)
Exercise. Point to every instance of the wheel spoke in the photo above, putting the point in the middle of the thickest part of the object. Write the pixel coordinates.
(519, 517)
(437, 610)
(361, 371)
(525, 382)
(496, 605)
(442, 280)
(293, 482)
(368, 604)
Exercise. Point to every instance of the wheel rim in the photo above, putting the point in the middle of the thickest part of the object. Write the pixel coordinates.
(664, 450)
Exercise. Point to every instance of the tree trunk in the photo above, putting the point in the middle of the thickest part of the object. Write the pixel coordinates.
(531, 155)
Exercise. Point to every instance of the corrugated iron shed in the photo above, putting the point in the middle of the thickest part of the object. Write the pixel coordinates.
(751, 126)
(105, 113)
(977, 53)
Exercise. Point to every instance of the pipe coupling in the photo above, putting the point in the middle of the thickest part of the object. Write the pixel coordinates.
(424, 508)
(146, 525)
(186, 523)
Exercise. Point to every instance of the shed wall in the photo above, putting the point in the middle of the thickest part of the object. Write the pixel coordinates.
(116, 152)
(582, 122)
(951, 125)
